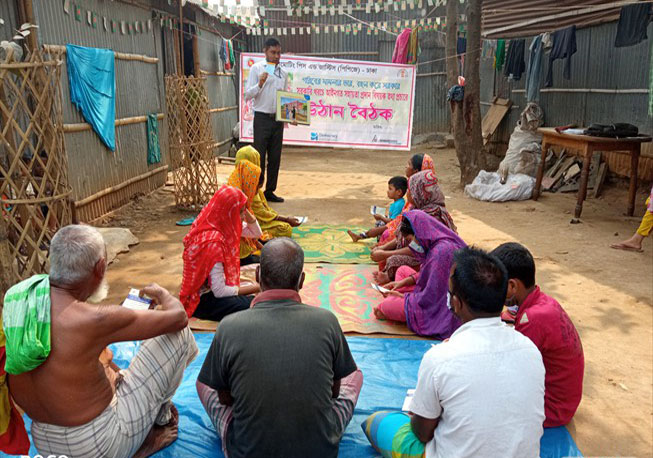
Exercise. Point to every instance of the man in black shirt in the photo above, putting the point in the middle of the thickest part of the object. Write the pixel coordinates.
(279, 379)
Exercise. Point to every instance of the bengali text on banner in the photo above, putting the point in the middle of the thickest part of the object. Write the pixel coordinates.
(354, 104)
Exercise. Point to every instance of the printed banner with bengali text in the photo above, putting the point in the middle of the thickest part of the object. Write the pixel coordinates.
(354, 104)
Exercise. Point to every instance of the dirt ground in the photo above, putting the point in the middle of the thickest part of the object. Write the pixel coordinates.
(607, 293)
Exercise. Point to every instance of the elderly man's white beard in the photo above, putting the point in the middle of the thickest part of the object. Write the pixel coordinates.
(100, 293)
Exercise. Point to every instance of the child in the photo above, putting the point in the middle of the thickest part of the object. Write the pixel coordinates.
(397, 187)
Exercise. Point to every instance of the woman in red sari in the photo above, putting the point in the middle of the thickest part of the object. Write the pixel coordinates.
(210, 286)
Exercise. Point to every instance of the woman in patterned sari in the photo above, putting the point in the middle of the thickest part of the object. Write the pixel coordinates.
(272, 224)
(417, 163)
(424, 194)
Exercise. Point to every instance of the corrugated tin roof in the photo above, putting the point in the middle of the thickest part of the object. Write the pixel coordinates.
(519, 18)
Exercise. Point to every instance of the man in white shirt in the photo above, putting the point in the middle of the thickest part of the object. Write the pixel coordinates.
(481, 393)
(262, 88)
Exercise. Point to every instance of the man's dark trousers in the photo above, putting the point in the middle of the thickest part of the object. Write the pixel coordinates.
(268, 138)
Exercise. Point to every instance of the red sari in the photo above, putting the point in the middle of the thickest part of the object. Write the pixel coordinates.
(214, 237)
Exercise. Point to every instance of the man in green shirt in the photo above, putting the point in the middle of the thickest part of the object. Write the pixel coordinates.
(279, 379)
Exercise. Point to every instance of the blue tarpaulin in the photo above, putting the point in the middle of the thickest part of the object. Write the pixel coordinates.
(91, 77)
(389, 368)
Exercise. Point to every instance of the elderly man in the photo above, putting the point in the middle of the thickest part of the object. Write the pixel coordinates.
(279, 380)
(61, 372)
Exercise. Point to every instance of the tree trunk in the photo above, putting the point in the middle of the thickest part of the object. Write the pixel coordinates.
(466, 115)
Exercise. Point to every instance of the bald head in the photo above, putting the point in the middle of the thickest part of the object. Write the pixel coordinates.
(282, 263)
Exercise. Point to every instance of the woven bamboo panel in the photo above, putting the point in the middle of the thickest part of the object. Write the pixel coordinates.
(34, 190)
(190, 141)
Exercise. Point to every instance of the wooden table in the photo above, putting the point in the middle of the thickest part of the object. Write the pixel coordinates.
(587, 145)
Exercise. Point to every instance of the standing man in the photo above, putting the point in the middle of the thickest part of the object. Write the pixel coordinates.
(262, 87)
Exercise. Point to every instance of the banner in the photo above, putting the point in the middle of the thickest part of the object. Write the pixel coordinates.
(354, 104)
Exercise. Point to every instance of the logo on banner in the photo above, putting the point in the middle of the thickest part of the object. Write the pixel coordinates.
(403, 73)
(250, 62)
(314, 136)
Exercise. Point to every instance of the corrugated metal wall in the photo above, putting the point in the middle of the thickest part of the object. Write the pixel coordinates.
(139, 91)
(431, 111)
(9, 14)
(222, 90)
(596, 65)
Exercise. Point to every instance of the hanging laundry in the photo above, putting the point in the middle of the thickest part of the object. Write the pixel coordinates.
(232, 58)
(547, 41)
(401, 47)
(223, 52)
(564, 46)
(91, 77)
(153, 146)
(488, 49)
(413, 48)
(500, 55)
(461, 49)
(534, 70)
(633, 22)
(515, 65)
(227, 54)
(461, 45)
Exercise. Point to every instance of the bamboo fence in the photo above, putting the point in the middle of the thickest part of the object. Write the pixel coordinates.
(34, 191)
(190, 141)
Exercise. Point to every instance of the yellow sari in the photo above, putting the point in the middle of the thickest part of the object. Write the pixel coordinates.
(265, 215)
(245, 177)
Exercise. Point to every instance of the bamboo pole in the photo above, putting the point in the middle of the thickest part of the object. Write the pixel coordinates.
(118, 187)
(196, 57)
(82, 126)
(181, 36)
(53, 49)
(221, 109)
(207, 73)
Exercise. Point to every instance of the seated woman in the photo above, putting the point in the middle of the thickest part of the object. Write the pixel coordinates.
(272, 224)
(417, 163)
(211, 257)
(424, 194)
(420, 299)
(246, 177)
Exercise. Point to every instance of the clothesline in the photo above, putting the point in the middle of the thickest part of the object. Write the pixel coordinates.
(370, 25)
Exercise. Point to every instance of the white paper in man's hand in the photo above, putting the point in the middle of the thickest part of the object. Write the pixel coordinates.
(135, 302)
(407, 401)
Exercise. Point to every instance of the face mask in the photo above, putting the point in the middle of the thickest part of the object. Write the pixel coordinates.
(416, 247)
(512, 305)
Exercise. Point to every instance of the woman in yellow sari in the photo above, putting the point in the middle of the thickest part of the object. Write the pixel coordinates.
(246, 177)
(272, 224)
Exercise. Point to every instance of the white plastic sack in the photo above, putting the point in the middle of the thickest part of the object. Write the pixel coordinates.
(523, 154)
(487, 186)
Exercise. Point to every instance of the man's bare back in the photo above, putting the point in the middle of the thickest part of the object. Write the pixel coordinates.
(77, 381)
